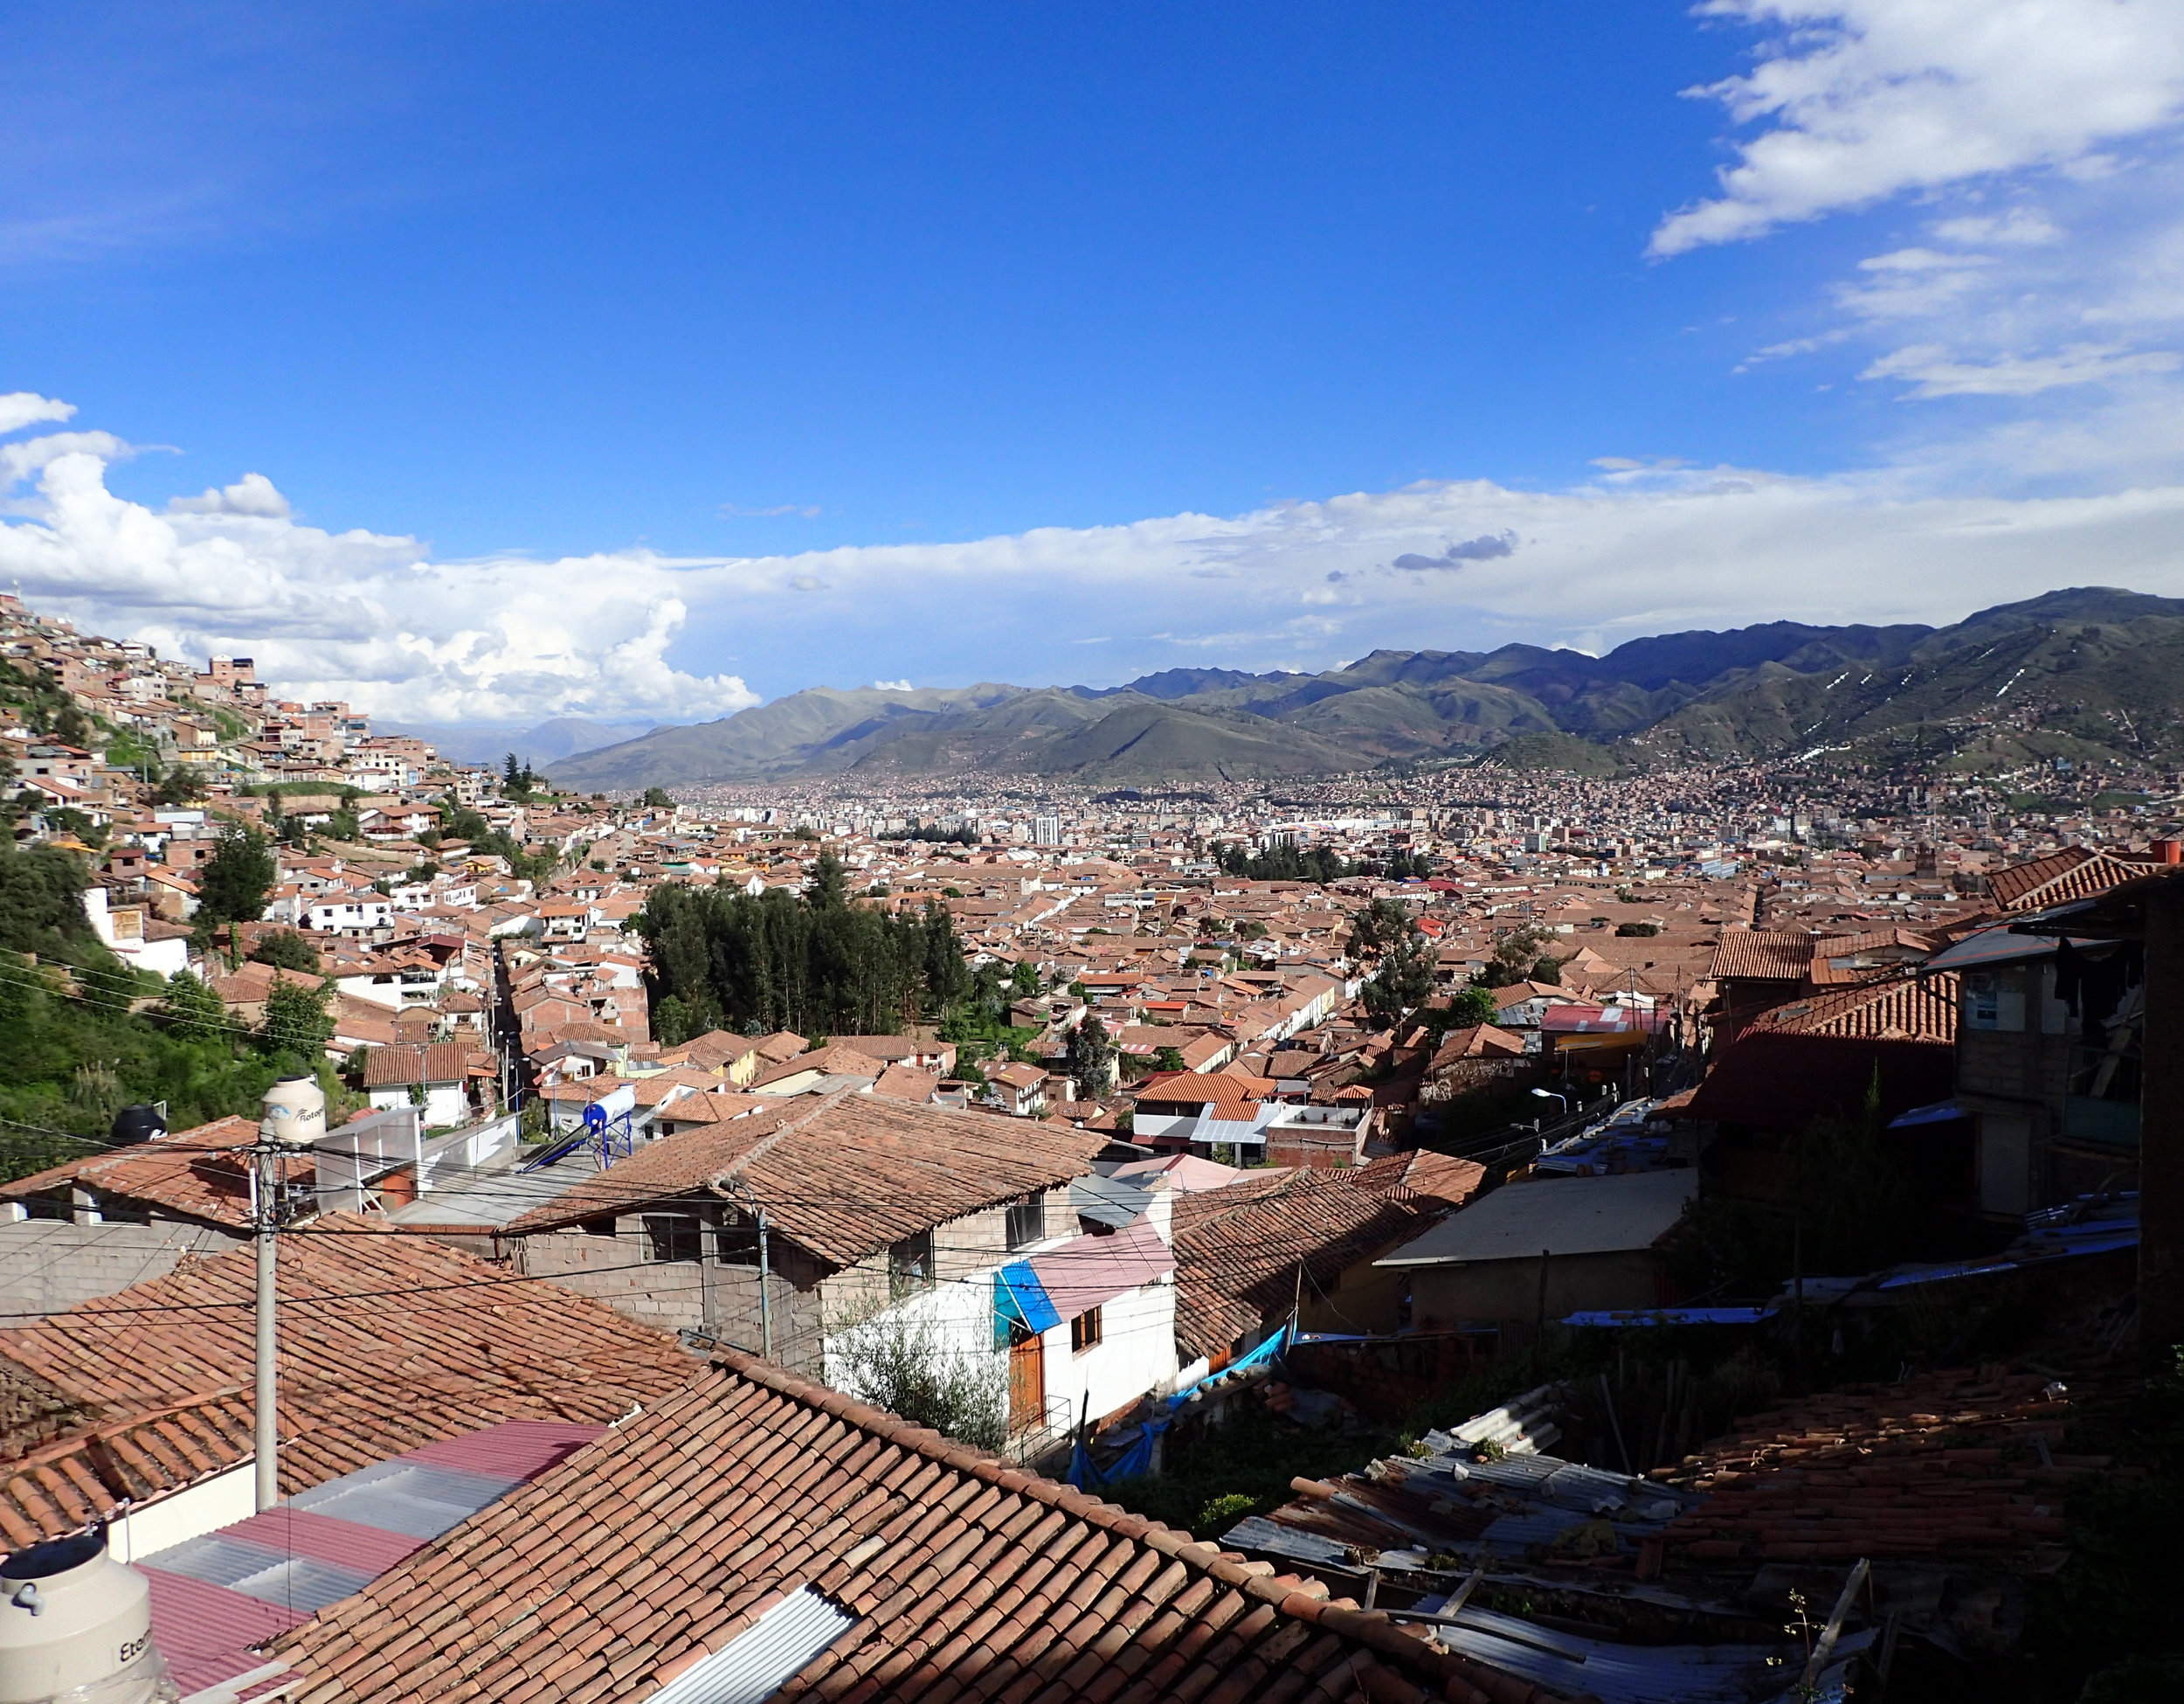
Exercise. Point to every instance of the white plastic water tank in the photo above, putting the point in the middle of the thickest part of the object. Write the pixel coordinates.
(76, 1628)
(295, 1112)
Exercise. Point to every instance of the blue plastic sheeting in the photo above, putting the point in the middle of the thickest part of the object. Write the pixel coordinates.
(1133, 1463)
(1267, 1351)
(1084, 1473)
(1020, 1299)
(1673, 1316)
(1942, 1111)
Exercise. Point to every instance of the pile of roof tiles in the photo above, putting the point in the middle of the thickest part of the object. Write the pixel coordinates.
(1955, 1462)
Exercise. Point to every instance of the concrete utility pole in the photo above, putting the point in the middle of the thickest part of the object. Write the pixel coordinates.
(295, 1119)
(266, 1426)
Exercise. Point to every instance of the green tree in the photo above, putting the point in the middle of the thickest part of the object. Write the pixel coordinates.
(41, 899)
(1168, 1059)
(1024, 980)
(1473, 1006)
(1517, 958)
(285, 949)
(657, 799)
(1090, 1056)
(1404, 980)
(191, 1008)
(180, 785)
(296, 1020)
(1375, 928)
(232, 886)
(828, 890)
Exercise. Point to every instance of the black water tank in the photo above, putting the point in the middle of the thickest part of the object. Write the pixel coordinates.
(138, 1124)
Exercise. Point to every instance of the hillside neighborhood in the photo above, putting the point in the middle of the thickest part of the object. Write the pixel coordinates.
(956, 1169)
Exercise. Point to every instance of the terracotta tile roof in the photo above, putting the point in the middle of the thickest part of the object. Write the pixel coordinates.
(1898, 1008)
(967, 1577)
(2075, 872)
(834, 1061)
(901, 1082)
(1237, 1248)
(1479, 1041)
(388, 1342)
(1940, 1466)
(717, 1047)
(1842, 958)
(1761, 954)
(844, 1174)
(406, 1062)
(189, 1171)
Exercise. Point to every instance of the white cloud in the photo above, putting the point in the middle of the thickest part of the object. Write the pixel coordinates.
(356, 615)
(1644, 546)
(1934, 373)
(22, 408)
(254, 494)
(2020, 227)
(1864, 100)
(891, 686)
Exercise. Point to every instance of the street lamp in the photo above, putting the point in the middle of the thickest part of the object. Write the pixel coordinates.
(1549, 1094)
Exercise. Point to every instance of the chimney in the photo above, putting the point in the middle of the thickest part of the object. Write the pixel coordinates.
(2168, 851)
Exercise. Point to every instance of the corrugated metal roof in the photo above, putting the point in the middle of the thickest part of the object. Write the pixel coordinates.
(1616, 1673)
(755, 1664)
(215, 1596)
(1577, 1215)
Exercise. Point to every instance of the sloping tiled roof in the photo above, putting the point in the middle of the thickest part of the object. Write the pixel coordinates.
(844, 1175)
(1237, 1248)
(2075, 872)
(966, 1577)
(387, 1342)
(1478, 1041)
(1912, 1469)
(1898, 1008)
(836, 1061)
(406, 1062)
(1821, 1056)
(190, 1172)
(1761, 954)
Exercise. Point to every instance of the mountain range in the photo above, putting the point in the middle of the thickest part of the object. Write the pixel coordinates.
(2086, 674)
(557, 738)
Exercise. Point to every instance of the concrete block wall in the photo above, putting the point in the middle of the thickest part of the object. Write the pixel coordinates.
(47, 1265)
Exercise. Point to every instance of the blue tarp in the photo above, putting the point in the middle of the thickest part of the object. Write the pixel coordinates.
(1133, 1463)
(1084, 1473)
(1942, 1111)
(1673, 1316)
(1267, 1351)
(1020, 1299)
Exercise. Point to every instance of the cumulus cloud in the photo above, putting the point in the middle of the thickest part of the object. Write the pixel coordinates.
(1485, 548)
(891, 686)
(1859, 100)
(254, 494)
(358, 615)
(22, 408)
(375, 619)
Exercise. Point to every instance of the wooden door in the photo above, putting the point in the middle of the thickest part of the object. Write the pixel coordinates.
(1028, 1379)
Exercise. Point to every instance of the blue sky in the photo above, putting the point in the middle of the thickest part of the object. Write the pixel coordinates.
(642, 360)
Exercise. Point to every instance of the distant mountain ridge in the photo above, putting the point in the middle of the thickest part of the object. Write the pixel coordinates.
(557, 738)
(2085, 673)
